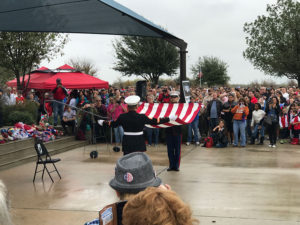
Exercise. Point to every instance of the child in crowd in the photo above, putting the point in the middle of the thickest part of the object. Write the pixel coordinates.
(257, 124)
(284, 126)
(295, 127)
(219, 135)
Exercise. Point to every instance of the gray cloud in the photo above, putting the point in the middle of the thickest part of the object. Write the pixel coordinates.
(210, 27)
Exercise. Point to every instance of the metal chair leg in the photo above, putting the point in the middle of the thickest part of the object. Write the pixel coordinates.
(35, 172)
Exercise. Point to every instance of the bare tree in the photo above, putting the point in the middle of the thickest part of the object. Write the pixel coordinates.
(84, 65)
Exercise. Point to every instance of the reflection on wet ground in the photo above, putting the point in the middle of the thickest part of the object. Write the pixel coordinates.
(252, 185)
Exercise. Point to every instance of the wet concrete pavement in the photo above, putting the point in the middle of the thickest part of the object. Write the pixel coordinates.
(230, 186)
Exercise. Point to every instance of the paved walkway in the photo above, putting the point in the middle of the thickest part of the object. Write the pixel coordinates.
(231, 186)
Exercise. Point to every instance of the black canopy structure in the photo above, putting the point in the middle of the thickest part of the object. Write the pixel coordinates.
(82, 16)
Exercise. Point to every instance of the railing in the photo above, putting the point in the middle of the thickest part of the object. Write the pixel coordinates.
(77, 114)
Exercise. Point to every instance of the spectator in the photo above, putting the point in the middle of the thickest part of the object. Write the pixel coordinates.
(296, 127)
(285, 94)
(59, 94)
(133, 173)
(5, 218)
(257, 124)
(252, 97)
(82, 101)
(273, 111)
(228, 116)
(104, 96)
(214, 109)
(164, 96)
(115, 110)
(73, 101)
(155, 206)
(240, 113)
(69, 119)
(284, 125)
(219, 135)
(13, 95)
(193, 128)
(249, 117)
(20, 99)
(100, 112)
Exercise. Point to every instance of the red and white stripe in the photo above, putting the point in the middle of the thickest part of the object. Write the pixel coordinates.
(185, 112)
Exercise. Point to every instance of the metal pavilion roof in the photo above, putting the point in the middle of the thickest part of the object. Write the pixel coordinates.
(78, 16)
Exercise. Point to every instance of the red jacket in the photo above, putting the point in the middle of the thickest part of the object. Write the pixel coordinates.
(59, 93)
(295, 120)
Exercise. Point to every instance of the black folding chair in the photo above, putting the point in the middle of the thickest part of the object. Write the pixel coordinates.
(44, 158)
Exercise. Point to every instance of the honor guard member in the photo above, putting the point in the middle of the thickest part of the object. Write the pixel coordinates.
(133, 125)
(173, 136)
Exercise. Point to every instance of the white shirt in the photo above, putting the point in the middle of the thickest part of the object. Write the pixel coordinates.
(69, 115)
(73, 103)
(286, 95)
(257, 116)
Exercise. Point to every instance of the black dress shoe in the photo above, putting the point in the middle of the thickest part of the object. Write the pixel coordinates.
(169, 169)
(177, 170)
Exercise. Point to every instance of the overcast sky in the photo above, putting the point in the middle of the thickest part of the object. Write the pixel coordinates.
(210, 27)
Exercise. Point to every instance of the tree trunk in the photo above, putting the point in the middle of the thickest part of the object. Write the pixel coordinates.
(155, 80)
(18, 81)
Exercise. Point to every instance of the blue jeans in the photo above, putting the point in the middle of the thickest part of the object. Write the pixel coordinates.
(193, 126)
(239, 126)
(150, 132)
(119, 132)
(257, 131)
(58, 110)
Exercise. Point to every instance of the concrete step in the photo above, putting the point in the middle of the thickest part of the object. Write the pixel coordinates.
(27, 154)
(22, 144)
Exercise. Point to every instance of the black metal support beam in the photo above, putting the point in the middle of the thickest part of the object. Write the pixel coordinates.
(182, 52)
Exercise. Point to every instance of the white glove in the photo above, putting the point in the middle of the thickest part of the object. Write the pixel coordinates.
(100, 122)
(172, 117)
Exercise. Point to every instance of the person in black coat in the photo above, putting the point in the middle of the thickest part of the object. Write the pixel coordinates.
(273, 111)
(214, 108)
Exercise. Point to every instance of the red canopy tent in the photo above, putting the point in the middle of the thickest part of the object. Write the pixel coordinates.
(44, 78)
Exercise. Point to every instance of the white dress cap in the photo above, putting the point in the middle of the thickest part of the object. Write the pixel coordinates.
(174, 93)
(132, 100)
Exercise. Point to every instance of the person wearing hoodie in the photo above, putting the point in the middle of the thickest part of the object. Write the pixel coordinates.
(257, 124)
(240, 113)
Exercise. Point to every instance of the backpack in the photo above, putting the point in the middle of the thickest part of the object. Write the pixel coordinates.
(208, 142)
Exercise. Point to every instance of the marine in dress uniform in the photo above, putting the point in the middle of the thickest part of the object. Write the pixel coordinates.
(133, 125)
(173, 136)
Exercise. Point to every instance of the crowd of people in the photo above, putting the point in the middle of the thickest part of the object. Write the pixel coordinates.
(231, 116)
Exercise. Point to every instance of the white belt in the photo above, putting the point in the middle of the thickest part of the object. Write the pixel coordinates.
(133, 133)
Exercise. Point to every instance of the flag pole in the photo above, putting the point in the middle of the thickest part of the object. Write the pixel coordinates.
(200, 76)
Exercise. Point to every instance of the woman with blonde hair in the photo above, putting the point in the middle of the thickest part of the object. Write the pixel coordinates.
(4, 206)
(156, 206)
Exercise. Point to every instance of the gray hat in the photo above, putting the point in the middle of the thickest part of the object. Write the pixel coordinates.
(134, 173)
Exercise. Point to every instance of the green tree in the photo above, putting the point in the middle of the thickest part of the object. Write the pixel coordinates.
(213, 69)
(5, 75)
(147, 57)
(21, 51)
(274, 40)
(84, 65)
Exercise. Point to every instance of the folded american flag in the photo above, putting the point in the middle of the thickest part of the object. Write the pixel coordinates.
(185, 112)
